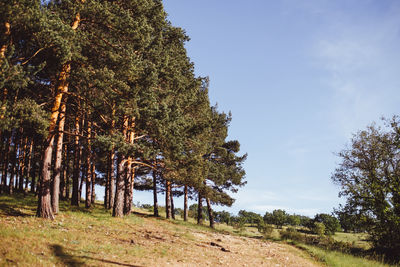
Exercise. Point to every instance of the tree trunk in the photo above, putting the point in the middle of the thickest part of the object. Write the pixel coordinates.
(77, 167)
(111, 193)
(127, 195)
(168, 199)
(29, 166)
(107, 185)
(200, 210)
(13, 165)
(45, 210)
(171, 195)
(59, 149)
(130, 172)
(67, 171)
(7, 152)
(84, 169)
(88, 196)
(118, 210)
(185, 204)
(34, 168)
(210, 213)
(93, 172)
(155, 203)
(64, 179)
(22, 158)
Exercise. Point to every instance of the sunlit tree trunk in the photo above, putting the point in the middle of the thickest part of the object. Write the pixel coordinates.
(59, 149)
(44, 206)
(118, 210)
(130, 171)
(119, 202)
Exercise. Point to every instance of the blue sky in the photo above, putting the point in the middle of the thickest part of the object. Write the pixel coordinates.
(299, 78)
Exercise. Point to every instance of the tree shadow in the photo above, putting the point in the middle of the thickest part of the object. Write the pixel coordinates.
(144, 215)
(10, 211)
(68, 260)
(73, 261)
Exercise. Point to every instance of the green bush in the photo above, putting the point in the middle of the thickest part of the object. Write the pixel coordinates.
(265, 229)
(319, 228)
(292, 234)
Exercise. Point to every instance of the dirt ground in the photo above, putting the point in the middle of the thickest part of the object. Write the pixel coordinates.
(189, 247)
(94, 238)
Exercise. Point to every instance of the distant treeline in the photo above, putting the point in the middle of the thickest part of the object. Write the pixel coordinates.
(103, 92)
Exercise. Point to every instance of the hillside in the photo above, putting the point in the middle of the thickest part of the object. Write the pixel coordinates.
(81, 238)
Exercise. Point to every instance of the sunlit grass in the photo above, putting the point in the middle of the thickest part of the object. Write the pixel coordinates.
(338, 259)
(358, 240)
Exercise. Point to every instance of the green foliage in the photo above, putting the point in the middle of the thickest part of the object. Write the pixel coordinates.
(223, 217)
(278, 217)
(293, 220)
(192, 213)
(238, 223)
(330, 222)
(122, 68)
(319, 228)
(265, 229)
(368, 177)
(291, 233)
(251, 218)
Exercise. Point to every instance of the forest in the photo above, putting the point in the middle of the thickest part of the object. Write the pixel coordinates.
(104, 93)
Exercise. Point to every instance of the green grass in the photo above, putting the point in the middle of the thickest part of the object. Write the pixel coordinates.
(76, 237)
(92, 237)
(358, 240)
(338, 259)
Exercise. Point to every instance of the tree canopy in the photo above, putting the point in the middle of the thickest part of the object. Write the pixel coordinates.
(103, 92)
(368, 175)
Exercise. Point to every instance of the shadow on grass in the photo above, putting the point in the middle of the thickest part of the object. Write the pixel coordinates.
(73, 261)
(68, 260)
(145, 215)
(10, 211)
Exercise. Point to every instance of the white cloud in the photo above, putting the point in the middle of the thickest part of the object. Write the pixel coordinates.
(362, 65)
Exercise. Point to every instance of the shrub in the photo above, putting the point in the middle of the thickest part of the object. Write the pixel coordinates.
(292, 234)
(265, 229)
(319, 228)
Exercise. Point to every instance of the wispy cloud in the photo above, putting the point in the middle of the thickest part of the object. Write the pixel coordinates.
(361, 60)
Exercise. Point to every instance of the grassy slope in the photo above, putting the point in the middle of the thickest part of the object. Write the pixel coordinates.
(81, 237)
(337, 259)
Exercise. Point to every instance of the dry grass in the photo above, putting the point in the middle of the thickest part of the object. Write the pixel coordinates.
(78, 237)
